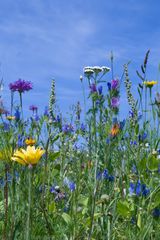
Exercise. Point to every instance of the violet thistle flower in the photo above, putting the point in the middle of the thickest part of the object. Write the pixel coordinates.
(20, 86)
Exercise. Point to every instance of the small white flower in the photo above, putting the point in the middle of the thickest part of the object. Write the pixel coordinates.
(105, 69)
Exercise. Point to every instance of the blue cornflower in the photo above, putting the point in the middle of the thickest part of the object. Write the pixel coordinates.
(109, 86)
(138, 188)
(2, 183)
(99, 176)
(46, 113)
(17, 114)
(52, 189)
(111, 178)
(70, 184)
(108, 140)
(156, 212)
(131, 188)
(6, 126)
(105, 174)
(67, 128)
(145, 190)
(20, 142)
(122, 124)
(100, 89)
(83, 127)
(134, 169)
(133, 143)
(142, 137)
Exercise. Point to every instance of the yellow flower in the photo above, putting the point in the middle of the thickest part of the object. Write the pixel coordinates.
(150, 83)
(10, 118)
(115, 130)
(30, 141)
(30, 156)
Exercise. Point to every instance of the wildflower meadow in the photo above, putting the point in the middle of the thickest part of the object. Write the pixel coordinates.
(93, 175)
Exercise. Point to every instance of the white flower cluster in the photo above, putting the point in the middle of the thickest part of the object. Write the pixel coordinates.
(95, 69)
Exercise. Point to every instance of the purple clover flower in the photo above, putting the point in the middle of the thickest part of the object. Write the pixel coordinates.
(114, 84)
(115, 102)
(20, 86)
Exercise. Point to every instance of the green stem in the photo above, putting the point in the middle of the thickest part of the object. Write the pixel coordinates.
(28, 226)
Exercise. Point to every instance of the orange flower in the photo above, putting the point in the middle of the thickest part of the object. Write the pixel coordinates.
(30, 141)
(115, 130)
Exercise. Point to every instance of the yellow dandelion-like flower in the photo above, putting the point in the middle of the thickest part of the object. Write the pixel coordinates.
(30, 141)
(30, 156)
(150, 83)
(10, 118)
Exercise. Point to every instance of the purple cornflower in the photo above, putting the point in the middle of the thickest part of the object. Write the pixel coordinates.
(115, 102)
(33, 108)
(114, 84)
(93, 88)
(20, 86)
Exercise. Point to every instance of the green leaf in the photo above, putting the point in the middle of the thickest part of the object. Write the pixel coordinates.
(54, 155)
(139, 220)
(83, 201)
(66, 218)
(156, 200)
(123, 208)
(52, 207)
(153, 163)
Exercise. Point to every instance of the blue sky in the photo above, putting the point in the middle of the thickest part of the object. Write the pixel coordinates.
(45, 39)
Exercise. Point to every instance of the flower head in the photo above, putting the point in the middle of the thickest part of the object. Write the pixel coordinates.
(150, 84)
(30, 156)
(115, 102)
(115, 130)
(10, 118)
(30, 141)
(114, 84)
(33, 108)
(20, 86)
